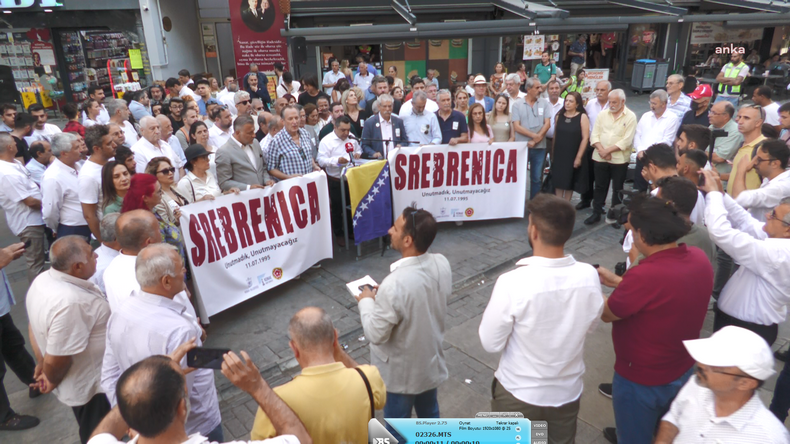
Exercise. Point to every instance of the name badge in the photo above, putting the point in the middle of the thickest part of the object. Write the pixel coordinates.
(540, 111)
(455, 126)
(397, 132)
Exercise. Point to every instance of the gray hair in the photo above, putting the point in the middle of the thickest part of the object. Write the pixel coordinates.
(274, 123)
(529, 83)
(378, 79)
(296, 108)
(659, 94)
(513, 78)
(605, 82)
(443, 92)
(619, 93)
(419, 95)
(148, 120)
(385, 98)
(241, 96)
(62, 143)
(242, 121)
(67, 251)
(113, 105)
(5, 142)
(785, 201)
(375, 107)
(677, 78)
(107, 227)
(157, 262)
(312, 327)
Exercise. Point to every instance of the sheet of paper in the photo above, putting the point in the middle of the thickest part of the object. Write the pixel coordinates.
(353, 286)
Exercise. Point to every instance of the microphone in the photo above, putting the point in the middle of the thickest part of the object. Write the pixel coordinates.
(350, 151)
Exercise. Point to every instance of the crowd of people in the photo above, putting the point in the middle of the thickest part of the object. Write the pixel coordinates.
(112, 318)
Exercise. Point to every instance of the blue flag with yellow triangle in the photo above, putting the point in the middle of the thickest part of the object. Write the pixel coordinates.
(371, 199)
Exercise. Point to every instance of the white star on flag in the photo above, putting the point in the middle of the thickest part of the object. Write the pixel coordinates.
(386, 173)
(363, 206)
(355, 222)
(381, 182)
(370, 198)
(375, 190)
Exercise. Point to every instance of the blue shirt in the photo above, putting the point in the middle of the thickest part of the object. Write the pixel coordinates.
(454, 126)
(422, 129)
(138, 110)
(6, 296)
(488, 103)
(581, 48)
(202, 106)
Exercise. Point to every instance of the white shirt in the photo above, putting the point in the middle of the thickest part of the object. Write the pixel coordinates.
(521, 95)
(693, 412)
(555, 108)
(105, 256)
(330, 78)
(767, 197)
(363, 82)
(759, 291)
(16, 185)
(187, 91)
(331, 150)
(120, 280)
(147, 325)
(68, 317)
(175, 145)
(295, 85)
(266, 144)
(594, 108)
(772, 114)
(430, 107)
(130, 134)
(90, 183)
(103, 117)
(217, 137)
(651, 130)
(470, 90)
(248, 151)
(193, 188)
(539, 316)
(680, 107)
(387, 133)
(197, 438)
(43, 134)
(229, 100)
(144, 151)
(61, 202)
(36, 169)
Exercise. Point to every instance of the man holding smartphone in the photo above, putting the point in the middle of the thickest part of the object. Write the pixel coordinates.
(151, 322)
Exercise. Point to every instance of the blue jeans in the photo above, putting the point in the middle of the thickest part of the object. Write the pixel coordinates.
(732, 99)
(781, 402)
(399, 406)
(638, 408)
(536, 158)
(216, 435)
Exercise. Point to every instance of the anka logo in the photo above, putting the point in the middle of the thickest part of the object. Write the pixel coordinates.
(732, 49)
(277, 273)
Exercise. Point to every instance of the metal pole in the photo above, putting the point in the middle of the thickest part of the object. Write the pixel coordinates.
(343, 204)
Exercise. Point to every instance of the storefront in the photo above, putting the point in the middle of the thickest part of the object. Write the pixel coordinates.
(708, 39)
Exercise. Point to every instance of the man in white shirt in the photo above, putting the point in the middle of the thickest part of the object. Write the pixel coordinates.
(418, 84)
(593, 108)
(176, 89)
(363, 78)
(757, 295)
(158, 381)
(677, 103)
(108, 250)
(227, 81)
(721, 403)
(762, 96)
(119, 115)
(330, 78)
(556, 103)
(404, 319)
(512, 83)
(656, 126)
(40, 158)
(219, 134)
(538, 317)
(167, 136)
(152, 321)
(335, 151)
(96, 93)
(68, 327)
(151, 145)
(41, 129)
(102, 148)
(770, 162)
(229, 100)
(61, 205)
(20, 198)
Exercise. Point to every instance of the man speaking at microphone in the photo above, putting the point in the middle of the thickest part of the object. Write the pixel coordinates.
(334, 152)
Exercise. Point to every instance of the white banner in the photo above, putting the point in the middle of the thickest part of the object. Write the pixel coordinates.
(470, 181)
(714, 32)
(242, 245)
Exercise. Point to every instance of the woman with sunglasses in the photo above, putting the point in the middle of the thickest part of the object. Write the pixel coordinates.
(169, 209)
(200, 183)
(115, 179)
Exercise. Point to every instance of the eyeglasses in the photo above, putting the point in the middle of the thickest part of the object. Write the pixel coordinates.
(699, 371)
(772, 215)
(761, 160)
(244, 102)
(167, 170)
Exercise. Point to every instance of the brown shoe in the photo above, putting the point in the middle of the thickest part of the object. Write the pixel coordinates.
(341, 242)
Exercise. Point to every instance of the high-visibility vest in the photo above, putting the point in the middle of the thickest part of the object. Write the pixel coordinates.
(573, 87)
(731, 71)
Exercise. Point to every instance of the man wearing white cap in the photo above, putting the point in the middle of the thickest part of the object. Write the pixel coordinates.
(481, 87)
(721, 404)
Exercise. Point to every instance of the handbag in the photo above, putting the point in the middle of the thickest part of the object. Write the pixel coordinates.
(548, 185)
(370, 392)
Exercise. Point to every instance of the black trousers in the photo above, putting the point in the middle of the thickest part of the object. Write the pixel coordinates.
(767, 332)
(336, 207)
(588, 195)
(90, 415)
(604, 173)
(16, 356)
(639, 182)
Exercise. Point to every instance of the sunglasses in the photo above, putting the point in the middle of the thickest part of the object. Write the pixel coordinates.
(167, 170)
(244, 102)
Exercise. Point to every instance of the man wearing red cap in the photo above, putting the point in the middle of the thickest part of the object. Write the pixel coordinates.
(700, 102)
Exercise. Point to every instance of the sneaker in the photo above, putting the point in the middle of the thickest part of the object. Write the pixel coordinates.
(606, 390)
(316, 266)
(19, 422)
(782, 355)
(610, 221)
(593, 219)
(610, 433)
(582, 205)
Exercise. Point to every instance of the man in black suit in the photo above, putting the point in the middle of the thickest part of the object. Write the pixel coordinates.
(383, 126)
(258, 15)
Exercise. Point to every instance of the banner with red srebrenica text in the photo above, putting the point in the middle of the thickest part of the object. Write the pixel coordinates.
(242, 245)
(471, 181)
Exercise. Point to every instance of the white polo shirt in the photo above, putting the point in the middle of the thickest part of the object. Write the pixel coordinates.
(61, 201)
(17, 185)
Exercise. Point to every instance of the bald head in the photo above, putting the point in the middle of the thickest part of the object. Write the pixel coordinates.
(311, 330)
(137, 229)
(73, 256)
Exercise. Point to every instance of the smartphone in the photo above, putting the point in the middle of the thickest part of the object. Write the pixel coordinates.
(28, 243)
(701, 181)
(206, 358)
(365, 287)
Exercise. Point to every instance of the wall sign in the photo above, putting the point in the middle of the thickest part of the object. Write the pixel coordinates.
(21, 4)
